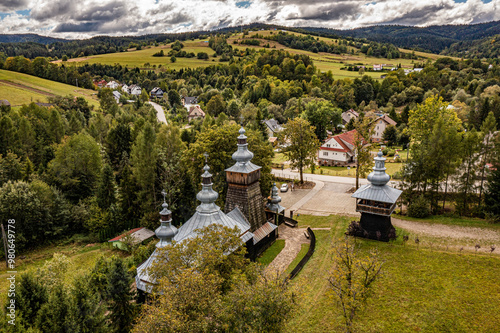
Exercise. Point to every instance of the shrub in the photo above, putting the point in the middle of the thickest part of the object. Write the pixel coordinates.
(391, 153)
(419, 207)
(385, 151)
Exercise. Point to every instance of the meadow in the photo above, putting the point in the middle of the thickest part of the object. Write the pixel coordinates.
(421, 289)
(19, 88)
(323, 61)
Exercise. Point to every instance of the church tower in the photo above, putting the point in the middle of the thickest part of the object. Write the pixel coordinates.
(243, 185)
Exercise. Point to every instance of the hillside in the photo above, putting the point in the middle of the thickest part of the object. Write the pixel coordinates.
(24, 38)
(433, 38)
(324, 61)
(20, 89)
(488, 47)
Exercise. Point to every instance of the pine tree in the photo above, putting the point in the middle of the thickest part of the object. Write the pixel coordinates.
(89, 311)
(106, 188)
(58, 314)
(31, 295)
(119, 296)
(28, 169)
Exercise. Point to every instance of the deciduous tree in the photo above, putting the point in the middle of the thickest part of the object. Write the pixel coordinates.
(300, 144)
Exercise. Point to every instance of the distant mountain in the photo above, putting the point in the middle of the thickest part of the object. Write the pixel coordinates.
(430, 39)
(24, 38)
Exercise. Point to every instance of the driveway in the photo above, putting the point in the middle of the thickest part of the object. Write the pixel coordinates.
(160, 114)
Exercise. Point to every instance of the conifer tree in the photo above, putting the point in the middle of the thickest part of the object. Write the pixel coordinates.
(89, 311)
(58, 314)
(119, 296)
(106, 188)
(31, 295)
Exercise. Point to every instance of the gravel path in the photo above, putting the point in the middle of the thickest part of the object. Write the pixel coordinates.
(293, 237)
(448, 231)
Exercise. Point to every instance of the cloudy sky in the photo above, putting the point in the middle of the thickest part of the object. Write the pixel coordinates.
(86, 18)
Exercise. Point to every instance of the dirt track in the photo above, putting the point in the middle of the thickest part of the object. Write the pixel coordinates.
(22, 86)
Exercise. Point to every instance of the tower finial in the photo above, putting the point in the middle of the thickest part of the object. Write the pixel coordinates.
(164, 193)
(241, 120)
(206, 157)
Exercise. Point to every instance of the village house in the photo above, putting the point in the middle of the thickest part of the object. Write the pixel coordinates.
(135, 90)
(125, 89)
(273, 127)
(338, 149)
(188, 101)
(378, 67)
(117, 95)
(380, 124)
(112, 85)
(348, 115)
(134, 236)
(156, 92)
(195, 112)
(101, 83)
(5, 105)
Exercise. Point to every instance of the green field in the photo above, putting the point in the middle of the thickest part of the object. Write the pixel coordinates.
(144, 58)
(20, 89)
(421, 289)
(323, 61)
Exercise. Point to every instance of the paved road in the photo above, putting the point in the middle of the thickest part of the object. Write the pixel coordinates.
(160, 114)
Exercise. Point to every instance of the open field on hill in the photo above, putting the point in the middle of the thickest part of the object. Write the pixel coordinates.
(422, 288)
(144, 57)
(19, 88)
(323, 61)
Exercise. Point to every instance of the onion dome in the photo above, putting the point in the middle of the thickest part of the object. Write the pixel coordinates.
(273, 202)
(166, 231)
(242, 155)
(207, 195)
(378, 176)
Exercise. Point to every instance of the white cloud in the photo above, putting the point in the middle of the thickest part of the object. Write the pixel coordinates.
(86, 18)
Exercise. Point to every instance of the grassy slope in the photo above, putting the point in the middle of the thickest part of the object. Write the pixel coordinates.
(81, 257)
(23, 95)
(323, 61)
(140, 58)
(419, 290)
(268, 256)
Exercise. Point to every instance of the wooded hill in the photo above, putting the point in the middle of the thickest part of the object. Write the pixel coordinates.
(433, 39)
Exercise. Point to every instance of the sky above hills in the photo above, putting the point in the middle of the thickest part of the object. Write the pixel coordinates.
(86, 18)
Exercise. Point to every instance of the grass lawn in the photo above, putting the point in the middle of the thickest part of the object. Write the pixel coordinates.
(392, 168)
(271, 252)
(302, 253)
(31, 88)
(420, 289)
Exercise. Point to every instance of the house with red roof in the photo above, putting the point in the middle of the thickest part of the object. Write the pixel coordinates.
(338, 149)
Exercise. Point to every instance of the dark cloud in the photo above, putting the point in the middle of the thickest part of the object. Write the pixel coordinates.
(78, 27)
(53, 9)
(419, 16)
(108, 12)
(328, 12)
(12, 5)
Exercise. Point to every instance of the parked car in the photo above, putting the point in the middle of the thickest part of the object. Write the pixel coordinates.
(284, 187)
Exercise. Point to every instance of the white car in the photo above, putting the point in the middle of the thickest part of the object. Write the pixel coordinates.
(284, 187)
